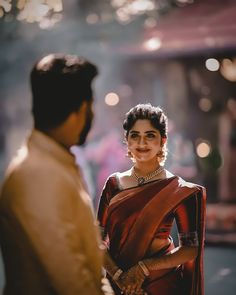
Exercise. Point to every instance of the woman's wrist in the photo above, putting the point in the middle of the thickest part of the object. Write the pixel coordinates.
(116, 275)
(144, 268)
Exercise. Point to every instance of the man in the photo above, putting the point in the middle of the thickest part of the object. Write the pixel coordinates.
(48, 238)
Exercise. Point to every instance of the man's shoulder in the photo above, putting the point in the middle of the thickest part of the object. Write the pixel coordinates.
(28, 161)
(30, 168)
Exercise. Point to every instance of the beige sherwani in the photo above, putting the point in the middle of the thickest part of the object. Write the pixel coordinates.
(47, 233)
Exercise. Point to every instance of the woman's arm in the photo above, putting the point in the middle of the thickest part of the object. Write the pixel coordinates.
(107, 193)
(110, 266)
(186, 216)
(177, 256)
(135, 276)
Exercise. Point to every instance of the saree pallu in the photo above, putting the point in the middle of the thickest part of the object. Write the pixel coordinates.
(132, 219)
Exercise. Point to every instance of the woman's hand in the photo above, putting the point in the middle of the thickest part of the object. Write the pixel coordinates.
(130, 282)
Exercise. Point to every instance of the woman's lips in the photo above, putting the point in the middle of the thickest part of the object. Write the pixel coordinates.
(142, 150)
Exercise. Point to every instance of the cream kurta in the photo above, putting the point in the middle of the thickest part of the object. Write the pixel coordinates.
(47, 233)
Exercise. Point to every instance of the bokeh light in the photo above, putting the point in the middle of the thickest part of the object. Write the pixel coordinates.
(212, 64)
(203, 149)
(152, 44)
(5, 6)
(112, 99)
(205, 104)
(45, 12)
(150, 22)
(92, 18)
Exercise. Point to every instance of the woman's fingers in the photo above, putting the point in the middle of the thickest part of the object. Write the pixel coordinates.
(130, 285)
(133, 290)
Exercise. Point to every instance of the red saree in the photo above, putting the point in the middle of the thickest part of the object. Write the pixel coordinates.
(133, 217)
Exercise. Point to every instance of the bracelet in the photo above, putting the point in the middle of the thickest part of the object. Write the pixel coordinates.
(117, 274)
(144, 268)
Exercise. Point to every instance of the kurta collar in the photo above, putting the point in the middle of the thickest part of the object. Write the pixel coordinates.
(49, 145)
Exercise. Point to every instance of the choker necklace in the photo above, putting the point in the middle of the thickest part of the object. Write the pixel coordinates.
(142, 179)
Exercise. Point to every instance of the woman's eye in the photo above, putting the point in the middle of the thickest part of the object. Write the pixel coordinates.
(150, 135)
(133, 135)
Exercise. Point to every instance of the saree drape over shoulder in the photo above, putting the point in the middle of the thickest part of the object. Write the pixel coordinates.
(131, 219)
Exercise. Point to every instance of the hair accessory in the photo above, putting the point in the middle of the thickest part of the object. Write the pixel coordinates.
(142, 179)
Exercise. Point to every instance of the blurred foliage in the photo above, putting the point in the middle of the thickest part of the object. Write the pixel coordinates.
(49, 12)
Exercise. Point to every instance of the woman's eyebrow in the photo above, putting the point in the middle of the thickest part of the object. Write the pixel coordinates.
(150, 131)
(133, 131)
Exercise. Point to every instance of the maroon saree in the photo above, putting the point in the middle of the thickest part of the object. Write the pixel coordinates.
(133, 217)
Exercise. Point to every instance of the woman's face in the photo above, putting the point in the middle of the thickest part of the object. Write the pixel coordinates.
(144, 141)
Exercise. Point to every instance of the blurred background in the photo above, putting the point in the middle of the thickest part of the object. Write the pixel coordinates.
(179, 54)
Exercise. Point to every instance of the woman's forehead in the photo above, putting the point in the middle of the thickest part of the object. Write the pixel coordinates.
(143, 125)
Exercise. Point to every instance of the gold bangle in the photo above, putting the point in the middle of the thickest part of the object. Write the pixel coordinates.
(117, 274)
(144, 268)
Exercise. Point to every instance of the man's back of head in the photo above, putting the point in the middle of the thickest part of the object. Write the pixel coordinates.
(60, 84)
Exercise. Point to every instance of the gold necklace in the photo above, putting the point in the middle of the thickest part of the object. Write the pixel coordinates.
(142, 179)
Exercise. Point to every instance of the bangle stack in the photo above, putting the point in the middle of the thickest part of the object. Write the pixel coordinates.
(144, 268)
(117, 274)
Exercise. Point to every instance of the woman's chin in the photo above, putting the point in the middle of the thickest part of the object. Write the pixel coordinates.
(144, 159)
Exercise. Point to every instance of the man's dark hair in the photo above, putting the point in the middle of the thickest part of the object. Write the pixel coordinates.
(60, 84)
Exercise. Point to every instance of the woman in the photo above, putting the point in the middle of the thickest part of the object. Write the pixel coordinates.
(136, 212)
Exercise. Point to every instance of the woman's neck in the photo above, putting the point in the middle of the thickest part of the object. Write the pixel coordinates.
(144, 169)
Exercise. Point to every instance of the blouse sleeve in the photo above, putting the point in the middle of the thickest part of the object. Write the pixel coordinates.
(108, 192)
(186, 215)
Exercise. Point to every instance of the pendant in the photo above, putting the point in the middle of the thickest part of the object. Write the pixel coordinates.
(141, 180)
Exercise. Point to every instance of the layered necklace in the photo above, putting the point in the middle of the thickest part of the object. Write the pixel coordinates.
(143, 179)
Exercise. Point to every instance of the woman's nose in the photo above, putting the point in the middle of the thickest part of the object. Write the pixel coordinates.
(142, 141)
